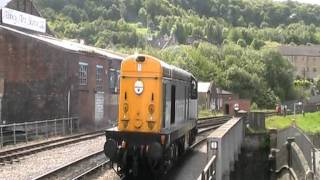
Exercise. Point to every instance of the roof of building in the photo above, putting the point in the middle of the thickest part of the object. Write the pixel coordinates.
(3, 3)
(223, 92)
(303, 50)
(203, 86)
(68, 45)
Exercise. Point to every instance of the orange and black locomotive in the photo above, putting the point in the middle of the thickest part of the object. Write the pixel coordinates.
(157, 116)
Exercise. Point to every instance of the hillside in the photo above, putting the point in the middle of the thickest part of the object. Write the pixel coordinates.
(228, 41)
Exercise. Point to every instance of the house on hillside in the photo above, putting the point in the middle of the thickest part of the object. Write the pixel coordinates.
(304, 58)
(42, 77)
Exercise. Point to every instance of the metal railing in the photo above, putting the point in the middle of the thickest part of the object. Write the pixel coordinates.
(208, 173)
(27, 131)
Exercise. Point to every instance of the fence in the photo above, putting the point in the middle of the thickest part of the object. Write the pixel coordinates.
(223, 146)
(209, 171)
(24, 132)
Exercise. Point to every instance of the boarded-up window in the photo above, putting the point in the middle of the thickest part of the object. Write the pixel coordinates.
(99, 70)
(83, 73)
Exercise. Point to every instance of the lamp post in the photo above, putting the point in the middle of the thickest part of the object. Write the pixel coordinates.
(294, 108)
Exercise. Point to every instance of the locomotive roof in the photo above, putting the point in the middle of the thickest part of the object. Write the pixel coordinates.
(174, 72)
(169, 71)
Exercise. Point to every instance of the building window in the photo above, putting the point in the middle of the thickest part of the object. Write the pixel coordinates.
(99, 70)
(113, 80)
(307, 69)
(314, 69)
(83, 73)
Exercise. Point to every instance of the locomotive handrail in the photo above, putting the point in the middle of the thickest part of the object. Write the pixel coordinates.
(208, 173)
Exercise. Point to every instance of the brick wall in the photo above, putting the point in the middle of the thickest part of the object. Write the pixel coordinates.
(36, 81)
(38, 77)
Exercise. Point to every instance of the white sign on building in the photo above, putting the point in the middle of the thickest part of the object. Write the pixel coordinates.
(23, 20)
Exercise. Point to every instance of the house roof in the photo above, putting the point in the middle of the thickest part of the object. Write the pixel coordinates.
(67, 44)
(203, 86)
(223, 92)
(303, 50)
(3, 3)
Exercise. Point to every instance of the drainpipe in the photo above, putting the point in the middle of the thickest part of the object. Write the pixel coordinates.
(0, 108)
(68, 104)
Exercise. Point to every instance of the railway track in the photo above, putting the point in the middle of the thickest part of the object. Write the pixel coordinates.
(210, 123)
(91, 164)
(13, 155)
(79, 168)
(207, 124)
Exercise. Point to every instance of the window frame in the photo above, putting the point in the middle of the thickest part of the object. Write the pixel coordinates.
(83, 73)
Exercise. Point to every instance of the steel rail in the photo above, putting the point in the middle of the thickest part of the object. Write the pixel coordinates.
(14, 154)
(61, 171)
(92, 170)
(209, 126)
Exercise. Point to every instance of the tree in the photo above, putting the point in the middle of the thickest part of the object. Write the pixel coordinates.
(257, 44)
(242, 43)
(143, 16)
(278, 73)
(180, 33)
(75, 13)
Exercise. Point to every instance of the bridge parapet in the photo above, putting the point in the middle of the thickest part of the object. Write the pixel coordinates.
(223, 147)
(292, 150)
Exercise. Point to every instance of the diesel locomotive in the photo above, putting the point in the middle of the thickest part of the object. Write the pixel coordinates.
(156, 119)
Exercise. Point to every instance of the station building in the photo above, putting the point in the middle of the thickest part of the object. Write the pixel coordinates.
(42, 77)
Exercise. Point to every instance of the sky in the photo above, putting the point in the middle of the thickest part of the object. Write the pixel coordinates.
(306, 1)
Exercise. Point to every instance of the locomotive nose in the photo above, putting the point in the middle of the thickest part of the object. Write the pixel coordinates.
(110, 149)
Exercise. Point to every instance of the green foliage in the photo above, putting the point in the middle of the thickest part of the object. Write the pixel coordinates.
(231, 39)
(317, 83)
(303, 83)
(213, 21)
(253, 106)
(245, 71)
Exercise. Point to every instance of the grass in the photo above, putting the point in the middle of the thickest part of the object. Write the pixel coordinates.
(308, 123)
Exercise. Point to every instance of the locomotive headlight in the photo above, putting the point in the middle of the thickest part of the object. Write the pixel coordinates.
(138, 87)
(125, 107)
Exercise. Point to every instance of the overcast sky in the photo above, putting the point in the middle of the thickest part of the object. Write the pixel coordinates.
(306, 1)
